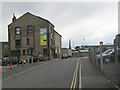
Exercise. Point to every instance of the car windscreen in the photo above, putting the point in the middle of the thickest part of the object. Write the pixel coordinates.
(107, 51)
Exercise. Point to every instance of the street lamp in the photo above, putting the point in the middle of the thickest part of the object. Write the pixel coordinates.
(101, 58)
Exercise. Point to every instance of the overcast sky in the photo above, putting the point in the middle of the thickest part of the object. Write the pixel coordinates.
(82, 22)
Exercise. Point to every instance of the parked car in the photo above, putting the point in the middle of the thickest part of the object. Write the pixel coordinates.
(64, 56)
(40, 58)
(105, 54)
(5, 61)
(109, 57)
(13, 61)
(35, 59)
(45, 58)
(20, 62)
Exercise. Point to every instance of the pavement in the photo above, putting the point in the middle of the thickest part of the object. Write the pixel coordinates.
(92, 77)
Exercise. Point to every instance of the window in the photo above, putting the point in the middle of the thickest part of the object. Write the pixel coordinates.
(29, 29)
(28, 52)
(31, 51)
(17, 31)
(17, 43)
(18, 52)
(28, 41)
(15, 53)
(23, 52)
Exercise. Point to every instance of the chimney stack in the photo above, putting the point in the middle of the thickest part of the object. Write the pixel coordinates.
(14, 18)
(69, 44)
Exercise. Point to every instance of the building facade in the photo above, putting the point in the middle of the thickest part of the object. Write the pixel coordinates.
(31, 35)
(58, 45)
(117, 40)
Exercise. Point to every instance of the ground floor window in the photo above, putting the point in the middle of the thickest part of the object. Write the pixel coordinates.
(15, 53)
(28, 52)
(45, 51)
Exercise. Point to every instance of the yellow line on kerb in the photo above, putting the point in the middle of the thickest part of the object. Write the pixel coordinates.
(74, 80)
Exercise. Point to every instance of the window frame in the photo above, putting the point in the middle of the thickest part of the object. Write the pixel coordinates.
(29, 28)
(23, 51)
(16, 43)
(28, 41)
(28, 52)
(17, 31)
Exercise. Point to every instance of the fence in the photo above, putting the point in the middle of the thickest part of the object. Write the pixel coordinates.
(107, 59)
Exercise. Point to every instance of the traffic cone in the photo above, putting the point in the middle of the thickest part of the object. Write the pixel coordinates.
(22, 61)
(10, 66)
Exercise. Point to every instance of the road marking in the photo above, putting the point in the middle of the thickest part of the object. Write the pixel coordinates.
(74, 80)
(80, 81)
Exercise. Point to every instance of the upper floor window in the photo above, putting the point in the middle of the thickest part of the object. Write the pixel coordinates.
(28, 41)
(28, 52)
(17, 31)
(29, 29)
(23, 52)
(17, 43)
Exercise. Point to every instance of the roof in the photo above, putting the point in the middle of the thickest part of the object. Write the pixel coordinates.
(83, 51)
(98, 45)
(57, 33)
(34, 16)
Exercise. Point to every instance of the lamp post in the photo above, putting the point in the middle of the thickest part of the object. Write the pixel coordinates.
(101, 58)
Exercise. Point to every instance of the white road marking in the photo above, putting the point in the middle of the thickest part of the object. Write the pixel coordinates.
(80, 81)
(73, 84)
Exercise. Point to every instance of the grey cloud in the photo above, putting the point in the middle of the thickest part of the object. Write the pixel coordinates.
(61, 14)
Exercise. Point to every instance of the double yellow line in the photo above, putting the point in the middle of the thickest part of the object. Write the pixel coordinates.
(75, 77)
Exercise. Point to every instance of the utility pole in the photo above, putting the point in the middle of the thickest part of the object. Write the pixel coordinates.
(101, 58)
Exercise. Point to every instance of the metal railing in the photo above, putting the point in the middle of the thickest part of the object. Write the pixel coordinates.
(107, 59)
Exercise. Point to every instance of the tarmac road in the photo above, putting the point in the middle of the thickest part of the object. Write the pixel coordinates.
(66, 73)
(52, 74)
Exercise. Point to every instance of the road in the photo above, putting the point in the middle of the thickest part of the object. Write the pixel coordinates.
(50, 74)
(66, 73)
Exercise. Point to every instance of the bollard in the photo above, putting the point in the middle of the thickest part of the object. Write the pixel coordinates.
(18, 61)
(32, 59)
(10, 66)
(22, 61)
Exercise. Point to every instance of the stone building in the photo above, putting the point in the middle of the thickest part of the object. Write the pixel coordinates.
(32, 35)
(117, 40)
(58, 45)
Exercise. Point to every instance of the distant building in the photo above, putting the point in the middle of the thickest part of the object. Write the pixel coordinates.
(32, 35)
(64, 52)
(117, 40)
(4, 49)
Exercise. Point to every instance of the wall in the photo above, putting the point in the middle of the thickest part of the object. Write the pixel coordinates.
(57, 45)
(23, 22)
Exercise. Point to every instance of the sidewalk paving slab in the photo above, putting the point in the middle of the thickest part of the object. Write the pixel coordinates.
(93, 77)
